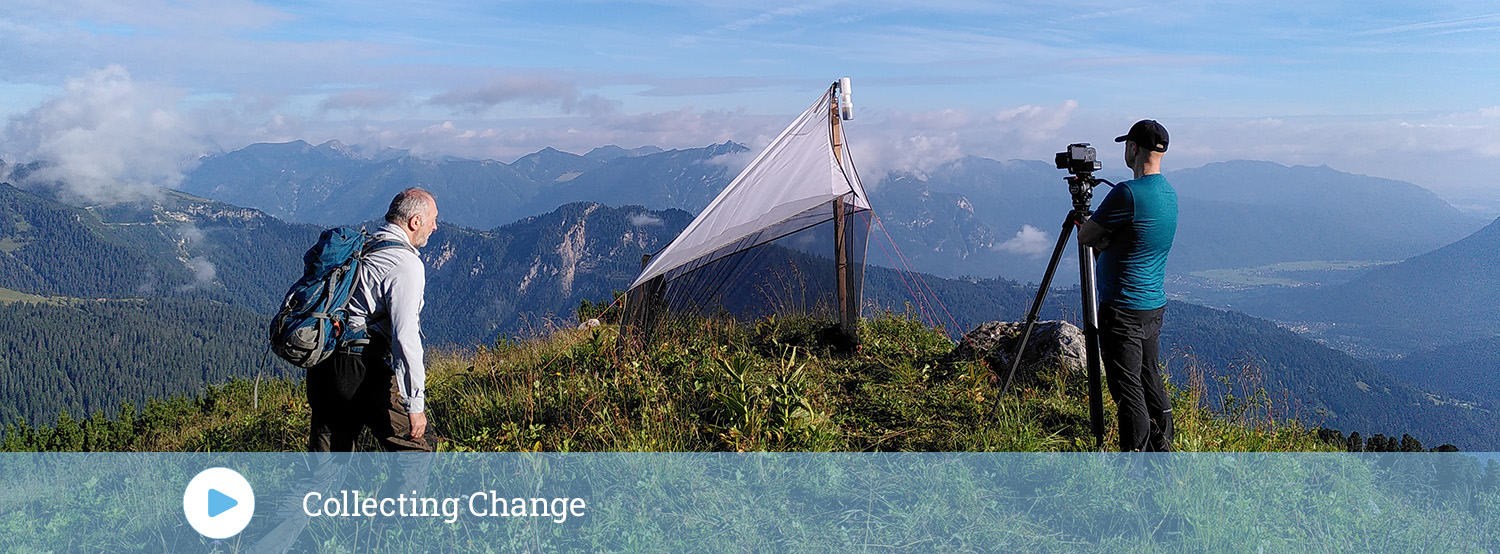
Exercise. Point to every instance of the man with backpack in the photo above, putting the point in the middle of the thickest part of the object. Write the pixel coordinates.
(376, 377)
(352, 320)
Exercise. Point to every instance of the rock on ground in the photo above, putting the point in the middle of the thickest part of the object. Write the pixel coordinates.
(1053, 344)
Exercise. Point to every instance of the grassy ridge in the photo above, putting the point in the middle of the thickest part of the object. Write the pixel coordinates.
(703, 386)
(710, 386)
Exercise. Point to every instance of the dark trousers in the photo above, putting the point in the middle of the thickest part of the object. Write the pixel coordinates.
(347, 393)
(351, 391)
(1128, 340)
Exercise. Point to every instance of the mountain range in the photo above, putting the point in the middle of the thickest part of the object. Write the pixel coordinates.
(971, 216)
(330, 184)
(968, 217)
(1468, 370)
(528, 276)
(516, 279)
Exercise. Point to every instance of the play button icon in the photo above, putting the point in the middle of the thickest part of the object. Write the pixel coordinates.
(218, 503)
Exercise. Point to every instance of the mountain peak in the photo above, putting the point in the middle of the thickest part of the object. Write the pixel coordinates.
(612, 152)
(334, 148)
(552, 165)
(607, 152)
(390, 153)
(727, 147)
(295, 147)
(548, 153)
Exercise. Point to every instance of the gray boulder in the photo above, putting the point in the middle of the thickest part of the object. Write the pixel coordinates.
(1055, 345)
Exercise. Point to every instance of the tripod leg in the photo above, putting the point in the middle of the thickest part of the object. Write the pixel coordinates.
(1036, 305)
(1092, 356)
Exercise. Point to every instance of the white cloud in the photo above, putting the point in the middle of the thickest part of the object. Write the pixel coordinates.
(507, 139)
(736, 162)
(880, 141)
(532, 90)
(920, 141)
(191, 234)
(645, 220)
(360, 100)
(772, 15)
(204, 273)
(1035, 123)
(106, 138)
(1029, 241)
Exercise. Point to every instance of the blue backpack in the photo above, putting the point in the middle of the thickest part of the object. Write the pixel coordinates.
(311, 324)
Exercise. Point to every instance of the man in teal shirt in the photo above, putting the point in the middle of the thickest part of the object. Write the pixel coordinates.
(1132, 232)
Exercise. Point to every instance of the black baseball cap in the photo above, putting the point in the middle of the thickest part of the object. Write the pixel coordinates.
(1148, 133)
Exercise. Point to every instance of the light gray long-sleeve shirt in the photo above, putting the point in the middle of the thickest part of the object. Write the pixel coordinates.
(390, 297)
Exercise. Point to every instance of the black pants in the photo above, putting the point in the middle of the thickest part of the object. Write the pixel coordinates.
(348, 392)
(1128, 340)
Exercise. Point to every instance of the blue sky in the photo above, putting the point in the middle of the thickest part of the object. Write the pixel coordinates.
(135, 90)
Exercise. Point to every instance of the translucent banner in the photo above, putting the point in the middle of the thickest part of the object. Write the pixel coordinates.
(136, 502)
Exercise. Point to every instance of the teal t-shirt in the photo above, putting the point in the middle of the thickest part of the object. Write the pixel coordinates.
(1141, 215)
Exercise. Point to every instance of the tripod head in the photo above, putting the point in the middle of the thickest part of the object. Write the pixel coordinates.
(1081, 161)
(1081, 186)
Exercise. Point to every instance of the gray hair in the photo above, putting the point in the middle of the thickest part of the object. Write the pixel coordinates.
(409, 202)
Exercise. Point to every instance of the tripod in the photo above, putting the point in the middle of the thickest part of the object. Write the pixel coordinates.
(1081, 186)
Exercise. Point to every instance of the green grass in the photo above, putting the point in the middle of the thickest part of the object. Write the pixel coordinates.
(8, 296)
(702, 386)
(778, 386)
(10, 244)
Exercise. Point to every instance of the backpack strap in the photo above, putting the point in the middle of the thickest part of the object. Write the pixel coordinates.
(355, 338)
(385, 244)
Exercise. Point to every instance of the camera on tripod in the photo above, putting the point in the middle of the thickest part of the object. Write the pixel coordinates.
(1079, 159)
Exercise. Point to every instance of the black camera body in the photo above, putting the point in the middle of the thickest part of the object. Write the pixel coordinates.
(1079, 159)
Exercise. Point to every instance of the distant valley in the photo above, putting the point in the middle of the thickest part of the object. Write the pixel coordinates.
(1445, 296)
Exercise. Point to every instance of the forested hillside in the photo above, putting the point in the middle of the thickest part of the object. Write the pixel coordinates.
(176, 246)
(1240, 355)
(1468, 370)
(49, 248)
(126, 302)
(91, 356)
